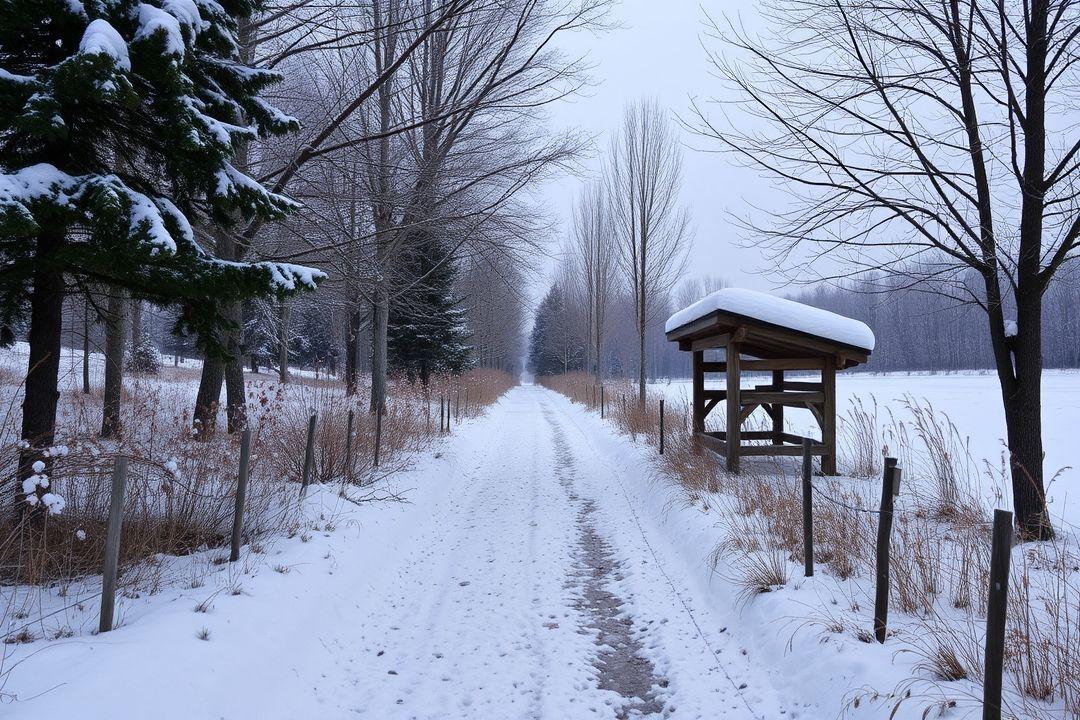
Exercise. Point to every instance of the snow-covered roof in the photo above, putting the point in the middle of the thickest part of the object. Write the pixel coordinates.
(780, 312)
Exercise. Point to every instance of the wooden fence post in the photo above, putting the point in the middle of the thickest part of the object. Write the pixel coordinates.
(466, 401)
(661, 426)
(996, 607)
(442, 417)
(309, 456)
(112, 544)
(601, 402)
(807, 508)
(457, 403)
(378, 435)
(348, 445)
(890, 487)
(241, 494)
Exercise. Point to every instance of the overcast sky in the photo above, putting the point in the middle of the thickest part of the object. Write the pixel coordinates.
(658, 53)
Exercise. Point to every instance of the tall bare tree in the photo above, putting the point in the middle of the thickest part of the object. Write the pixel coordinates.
(653, 229)
(594, 248)
(925, 140)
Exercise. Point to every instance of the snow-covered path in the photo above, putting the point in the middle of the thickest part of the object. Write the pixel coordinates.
(527, 580)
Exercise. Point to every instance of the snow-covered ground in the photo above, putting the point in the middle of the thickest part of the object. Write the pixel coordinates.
(529, 576)
(540, 568)
(972, 401)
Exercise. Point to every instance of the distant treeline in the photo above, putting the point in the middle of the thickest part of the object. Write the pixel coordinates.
(927, 331)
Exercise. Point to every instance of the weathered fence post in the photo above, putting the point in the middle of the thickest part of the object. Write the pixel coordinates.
(241, 493)
(807, 508)
(442, 416)
(309, 456)
(601, 402)
(890, 487)
(661, 426)
(466, 401)
(112, 544)
(996, 607)
(457, 403)
(348, 445)
(378, 435)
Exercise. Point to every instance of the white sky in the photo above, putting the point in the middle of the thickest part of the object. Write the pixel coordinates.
(658, 53)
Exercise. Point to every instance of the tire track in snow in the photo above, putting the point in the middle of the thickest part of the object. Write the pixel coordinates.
(620, 663)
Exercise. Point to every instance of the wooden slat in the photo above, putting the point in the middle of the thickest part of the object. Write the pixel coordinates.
(784, 364)
(780, 450)
(781, 398)
(717, 445)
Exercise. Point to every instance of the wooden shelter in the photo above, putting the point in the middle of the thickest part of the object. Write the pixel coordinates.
(759, 332)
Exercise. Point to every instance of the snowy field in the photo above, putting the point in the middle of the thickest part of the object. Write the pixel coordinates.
(542, 567)
(972, 401)
(538, 571)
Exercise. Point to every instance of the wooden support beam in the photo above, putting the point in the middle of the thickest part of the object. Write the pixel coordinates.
(779, 450)
(731, 357)
(712, 404)
(784, 364)
(796, 397)
(813, 408)
(828, 412)
(746, 411)
(699, 411)
(719, 341)
(777, 409)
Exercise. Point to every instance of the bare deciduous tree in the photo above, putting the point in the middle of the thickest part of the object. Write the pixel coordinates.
(653, 230)
(594, 247)
(924, 140)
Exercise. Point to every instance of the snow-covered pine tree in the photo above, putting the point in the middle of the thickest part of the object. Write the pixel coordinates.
(118, 121)
(427, 332)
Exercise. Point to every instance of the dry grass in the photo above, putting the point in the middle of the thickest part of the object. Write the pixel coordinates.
(940, 551)
(180, 492)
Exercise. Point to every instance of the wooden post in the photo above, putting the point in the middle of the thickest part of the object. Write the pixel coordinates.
(457, 403)
(996, 607)
(466, 401)
(778, 410)
(661, 426)
(733, 406)
(378, 435)
(828, 417)
(890, 487)
(348, 445)
(698, 372)
(112, 545)
(241, 493)
(442, 415)
(601, 402)
(309, 456)
(808, 507)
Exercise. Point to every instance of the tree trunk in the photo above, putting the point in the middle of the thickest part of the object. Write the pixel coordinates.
(235, 398)
(136, 322)
(380, 316)
(283, 343)
(115, 332)
(86, 347)
(1023, 422)
(208, 398)
(41, 393)
(352, 354)
(641, 356)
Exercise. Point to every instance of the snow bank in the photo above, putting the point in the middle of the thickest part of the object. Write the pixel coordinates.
(778, 311)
